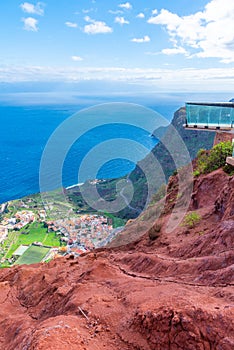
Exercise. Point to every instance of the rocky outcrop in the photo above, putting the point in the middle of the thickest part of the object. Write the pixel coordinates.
(173, 292)
(222, 137)
(192, 140)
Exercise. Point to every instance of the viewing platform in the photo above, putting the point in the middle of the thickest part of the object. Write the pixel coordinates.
(210, 116)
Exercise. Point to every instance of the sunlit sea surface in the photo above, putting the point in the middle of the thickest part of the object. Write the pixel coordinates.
(25, 130)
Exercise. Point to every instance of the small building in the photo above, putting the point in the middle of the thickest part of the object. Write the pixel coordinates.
(20, 250)
(3, 233)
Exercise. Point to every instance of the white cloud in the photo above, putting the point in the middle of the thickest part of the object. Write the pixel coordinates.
(175, 51)
(216, 79)
(37, 9)
(88, 19)
(71, 24)
(96, 27)
(208, 33)
(30, 24)
(150, 53)
(154, 12)
(115, 12)
(145, 39)
(121, 20)
(171, 20)
(87, 11)
(77, 58)
(126, 6)
(140, 15)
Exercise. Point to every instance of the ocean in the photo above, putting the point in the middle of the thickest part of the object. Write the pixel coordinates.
(26, 129)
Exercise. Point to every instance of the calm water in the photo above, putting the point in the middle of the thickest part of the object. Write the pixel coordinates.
(26, 129)
(24, 133)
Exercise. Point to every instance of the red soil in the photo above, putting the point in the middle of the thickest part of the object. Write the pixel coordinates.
(173, 293)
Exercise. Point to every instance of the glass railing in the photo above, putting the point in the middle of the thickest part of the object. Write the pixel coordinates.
(211, 115)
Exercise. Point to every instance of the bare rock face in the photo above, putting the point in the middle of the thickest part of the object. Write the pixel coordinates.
(175, 292)
(222, 137)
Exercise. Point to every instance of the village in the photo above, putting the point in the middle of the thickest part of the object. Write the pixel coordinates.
(83, 233)
(74, 235)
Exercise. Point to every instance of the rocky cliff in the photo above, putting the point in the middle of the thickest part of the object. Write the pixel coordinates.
(152, 290)
(193, 141)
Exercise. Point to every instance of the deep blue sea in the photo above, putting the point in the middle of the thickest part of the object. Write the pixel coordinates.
(26, 128)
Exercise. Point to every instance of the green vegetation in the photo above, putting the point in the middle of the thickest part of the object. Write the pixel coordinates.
(105, 188)
(10, 244)
(191, 219)
(108, 190)
(116, 222)
(158, 195)
(36, 232)
(33, 254)
(208, 161)
(229, 169)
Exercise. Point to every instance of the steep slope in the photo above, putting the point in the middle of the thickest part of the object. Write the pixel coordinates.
(167, 291)
(193, 140)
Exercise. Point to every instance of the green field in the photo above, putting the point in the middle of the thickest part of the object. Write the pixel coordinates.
(35, 232)
(33, 254)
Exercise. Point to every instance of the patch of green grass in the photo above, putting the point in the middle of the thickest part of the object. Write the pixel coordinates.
(5, 265)
(10, 244)
(191, 219)
(196, 173)
(33, 254)
(51, 240)
(36, 232)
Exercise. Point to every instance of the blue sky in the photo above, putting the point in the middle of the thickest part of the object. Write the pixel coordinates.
(173, 45)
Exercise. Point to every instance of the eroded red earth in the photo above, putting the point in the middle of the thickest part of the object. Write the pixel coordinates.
(175, 292)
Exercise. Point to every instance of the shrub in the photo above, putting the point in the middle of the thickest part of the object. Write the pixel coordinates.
(208, 161)
(229, 169)
(191, 219)
(196, 173)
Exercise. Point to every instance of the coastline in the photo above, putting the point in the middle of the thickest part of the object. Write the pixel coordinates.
(76, 185)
